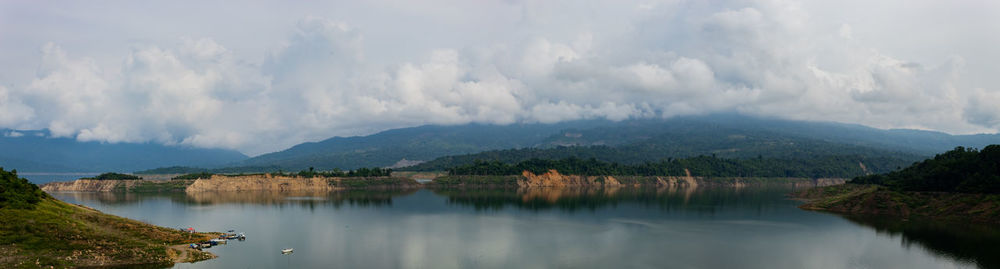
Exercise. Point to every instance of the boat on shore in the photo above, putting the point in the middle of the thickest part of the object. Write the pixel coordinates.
(231, 235)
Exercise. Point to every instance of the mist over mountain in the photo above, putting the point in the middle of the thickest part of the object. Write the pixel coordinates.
(903, 140)
(36, 151)
(628, 141)
(414, 144)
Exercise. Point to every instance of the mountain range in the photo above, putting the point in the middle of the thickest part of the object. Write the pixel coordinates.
(37, 151)
(629, 141)
(437, 146)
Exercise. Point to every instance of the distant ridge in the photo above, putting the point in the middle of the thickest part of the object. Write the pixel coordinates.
(36, 151)
(674, 137)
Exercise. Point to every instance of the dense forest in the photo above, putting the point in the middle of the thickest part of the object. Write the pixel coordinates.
(693, 142)
(310, 173)
(960, 170)
(114, 176)
(708, 166)
(18, 193)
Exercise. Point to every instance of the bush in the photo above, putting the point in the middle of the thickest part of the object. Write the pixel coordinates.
(18, 193)
(115, 176)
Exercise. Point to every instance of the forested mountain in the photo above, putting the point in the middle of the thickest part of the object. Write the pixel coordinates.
(730, 144)
(919, 142)
(35, 151)
(629, 141)
(421, 143)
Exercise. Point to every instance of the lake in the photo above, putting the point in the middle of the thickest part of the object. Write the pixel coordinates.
(549, 228)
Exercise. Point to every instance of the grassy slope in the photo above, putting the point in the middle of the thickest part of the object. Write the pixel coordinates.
(861, 199)
(63, 235)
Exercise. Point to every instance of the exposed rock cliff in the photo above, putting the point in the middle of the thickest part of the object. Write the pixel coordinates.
(264, 182)
(553, 178)
(219, 183)
(93, 185)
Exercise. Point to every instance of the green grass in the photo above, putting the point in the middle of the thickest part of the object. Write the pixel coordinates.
(60, 235)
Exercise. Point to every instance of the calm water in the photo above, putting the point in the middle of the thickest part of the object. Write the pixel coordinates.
(547, 228)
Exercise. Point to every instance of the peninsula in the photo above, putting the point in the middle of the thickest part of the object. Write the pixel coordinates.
(37, 230)
(961, 185)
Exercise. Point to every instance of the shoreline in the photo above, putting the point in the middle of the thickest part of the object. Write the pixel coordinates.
(877, 201)
(552, 178)
(64, 235)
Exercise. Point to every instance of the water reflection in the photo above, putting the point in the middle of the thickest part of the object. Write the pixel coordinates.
(573, 199)
(976, 243)
(752, 227)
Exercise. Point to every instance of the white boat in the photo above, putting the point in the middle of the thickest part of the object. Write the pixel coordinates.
(287, 250)
(220, 241)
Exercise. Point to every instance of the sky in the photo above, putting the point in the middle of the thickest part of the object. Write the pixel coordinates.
(260, 76)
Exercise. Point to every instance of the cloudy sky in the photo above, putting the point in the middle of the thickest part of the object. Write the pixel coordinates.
(262, 76)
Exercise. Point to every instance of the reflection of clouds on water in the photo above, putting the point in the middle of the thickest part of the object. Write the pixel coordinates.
(627, 229)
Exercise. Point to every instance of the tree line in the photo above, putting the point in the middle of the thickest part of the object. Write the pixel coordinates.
(959, 170)
(707, 166)
(310, 173)
(114, 176)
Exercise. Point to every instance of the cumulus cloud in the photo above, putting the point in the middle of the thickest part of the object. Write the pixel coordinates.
(653, 59)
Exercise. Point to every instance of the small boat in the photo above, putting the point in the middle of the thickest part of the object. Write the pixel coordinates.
(206, 245)
(287, 250)
(241, 236)
(217, 241)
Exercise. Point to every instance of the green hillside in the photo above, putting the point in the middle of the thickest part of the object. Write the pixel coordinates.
(959, 170)
(730, 144)
(961, 184)
(38, 231)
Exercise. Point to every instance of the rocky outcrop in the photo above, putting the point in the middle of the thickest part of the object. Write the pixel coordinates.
(264, 182)
(91, 185)
(553, 178)
(221, 183)
(527, 179)
(268, 182)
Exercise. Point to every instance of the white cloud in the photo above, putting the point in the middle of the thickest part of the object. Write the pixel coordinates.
(13, 112)
(13, 134)
(364, 67)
